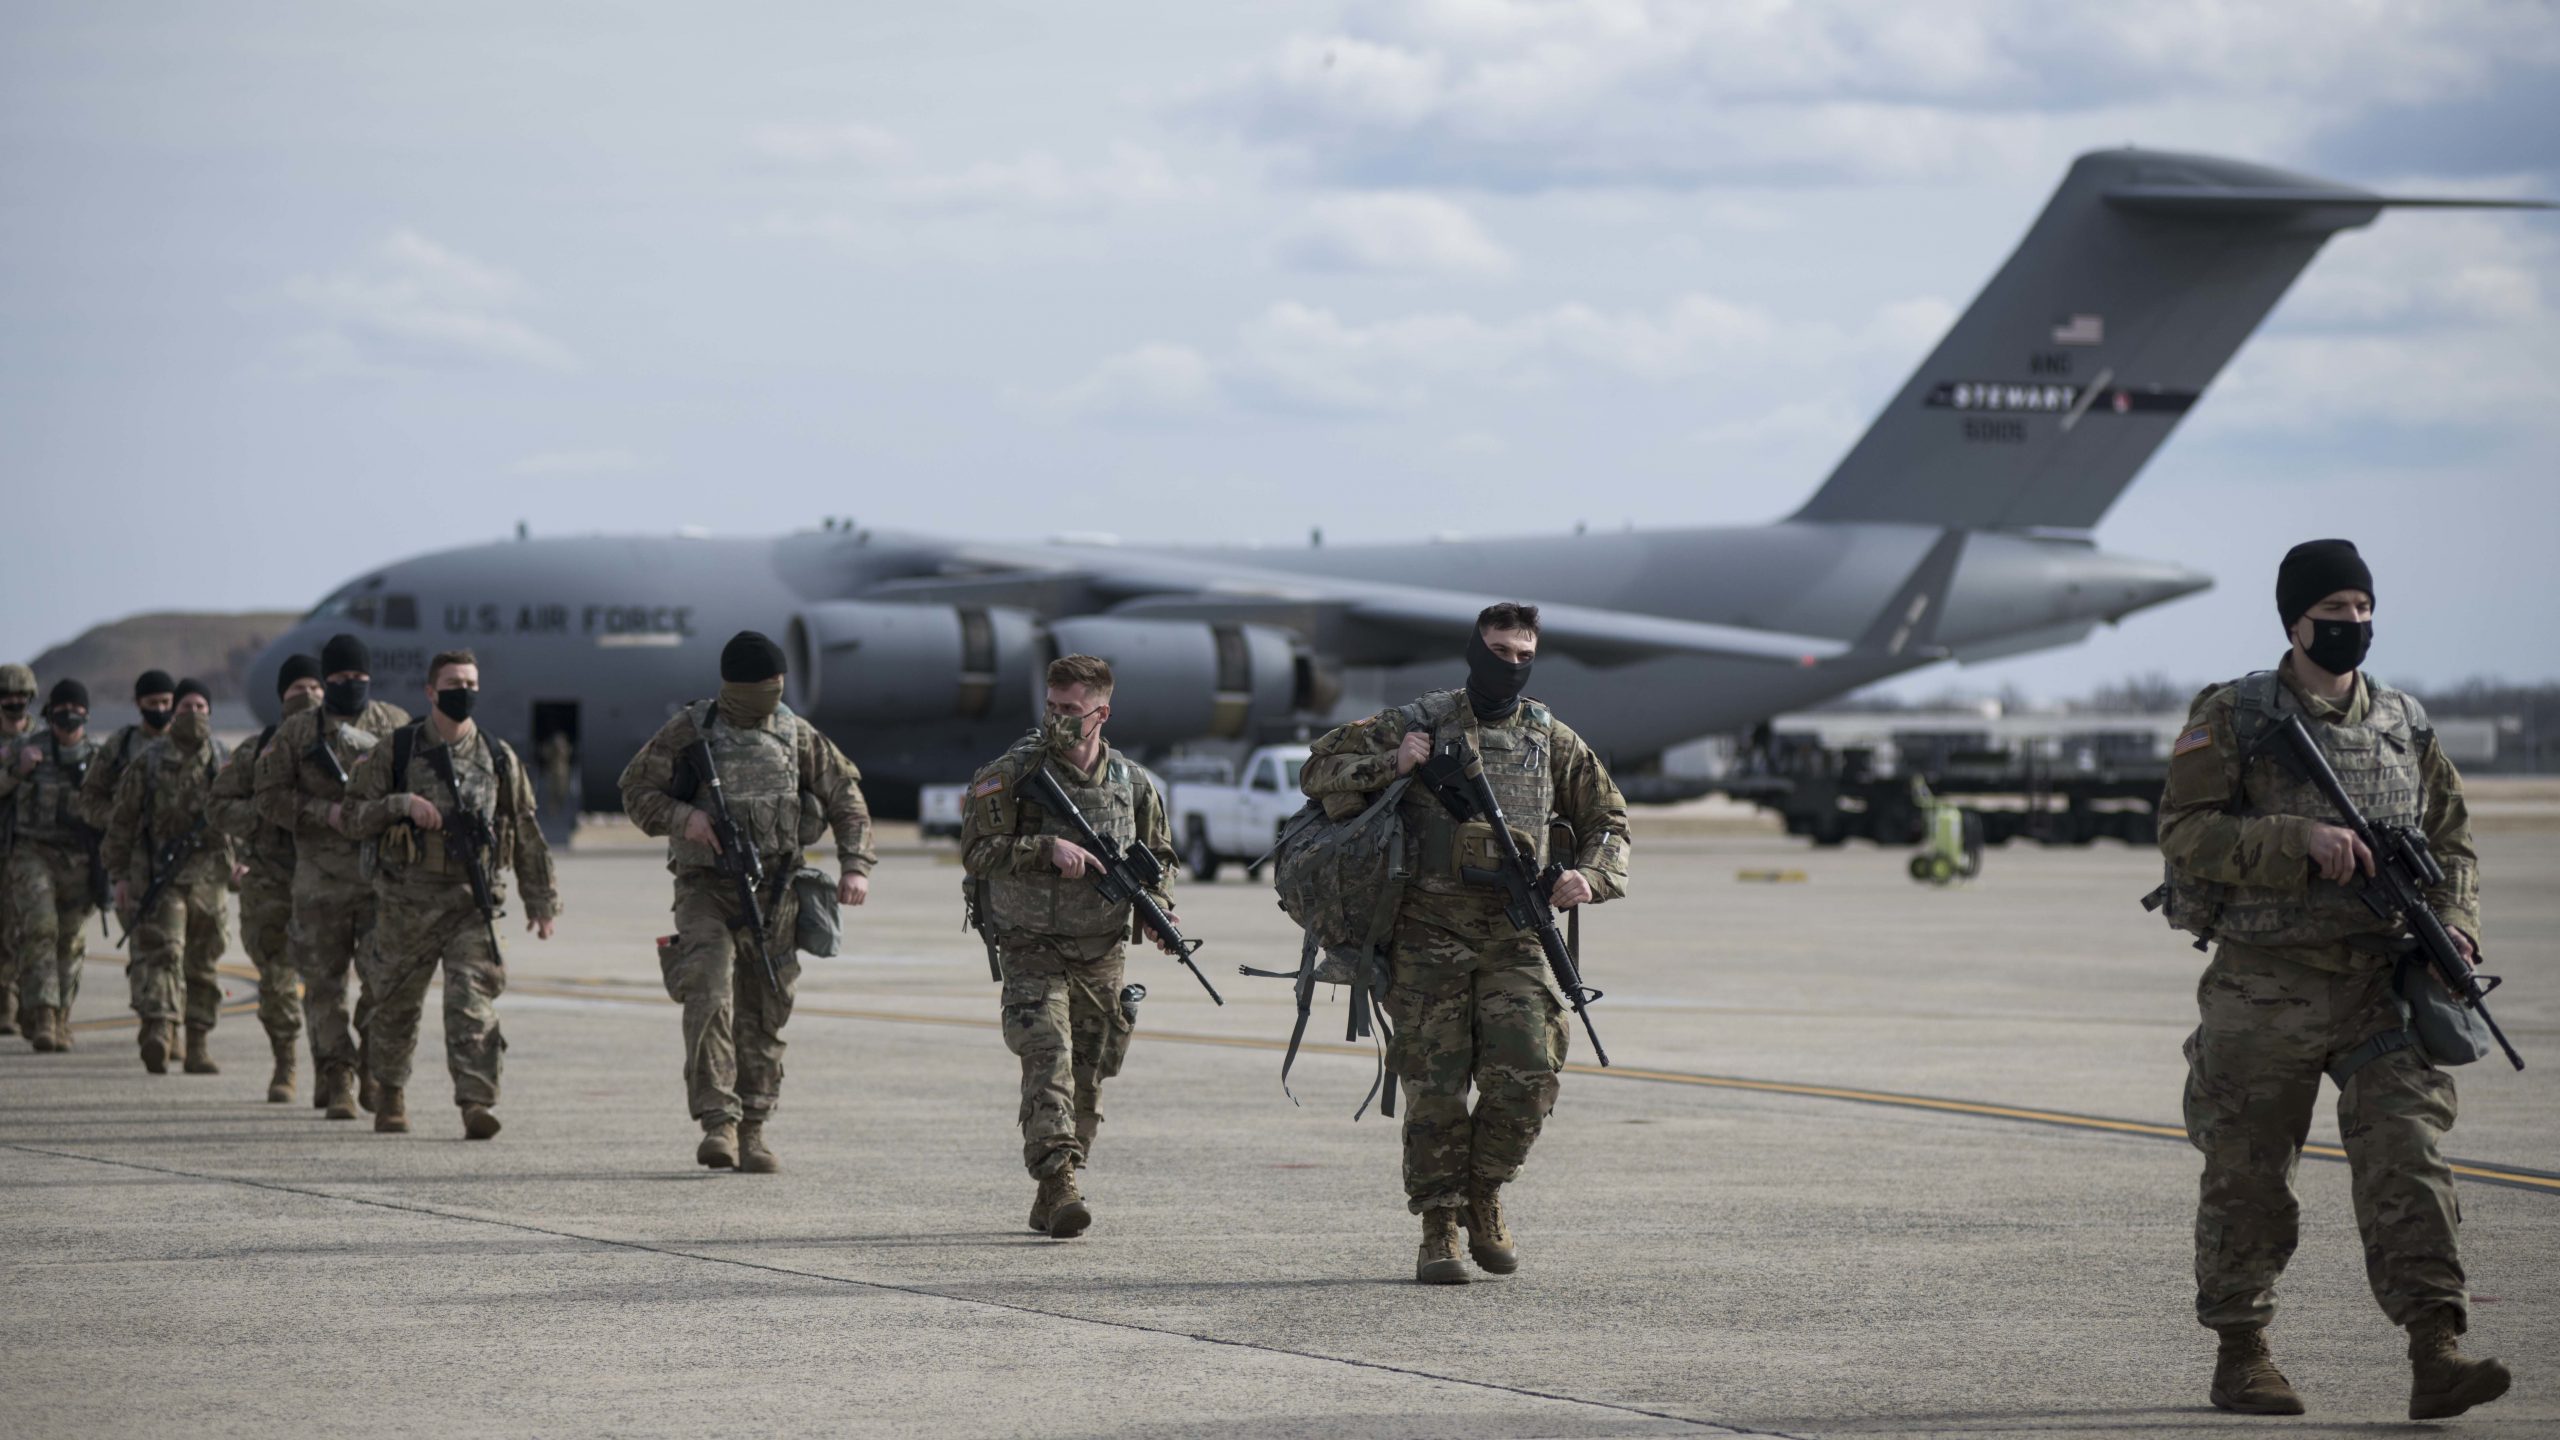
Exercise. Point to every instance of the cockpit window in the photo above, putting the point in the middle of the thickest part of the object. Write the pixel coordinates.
(399, 612)
(361, 604)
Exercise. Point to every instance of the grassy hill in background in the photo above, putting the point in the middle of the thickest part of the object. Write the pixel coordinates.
(215, 649)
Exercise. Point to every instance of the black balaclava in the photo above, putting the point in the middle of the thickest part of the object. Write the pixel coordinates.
(1493, 683)
(2312, 572)
(345, 698)
(66, 693)
(295, 668)
(155, 718)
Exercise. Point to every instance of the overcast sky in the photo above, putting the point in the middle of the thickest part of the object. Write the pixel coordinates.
(287, 290)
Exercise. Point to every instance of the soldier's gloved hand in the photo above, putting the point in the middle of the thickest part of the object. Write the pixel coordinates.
(1415, 749)
(541, 928)
(853, 889)
(337, 817)
(1571, 890)
(697, 828)
(28, 755)
(239, 872)
(122, 899)
(424, 814)
(2337, 853)
(1162, 943)
(1071, 858)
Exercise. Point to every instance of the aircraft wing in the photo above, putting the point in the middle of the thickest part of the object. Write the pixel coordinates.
(1364, 621)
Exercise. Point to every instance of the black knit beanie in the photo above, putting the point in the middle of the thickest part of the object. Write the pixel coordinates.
(345, 652)
(153, 682)
(750, 657)
(2315, 570)
(296, 667)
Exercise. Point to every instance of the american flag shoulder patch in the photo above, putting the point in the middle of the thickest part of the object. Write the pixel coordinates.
(2196, 739)
(987, 787)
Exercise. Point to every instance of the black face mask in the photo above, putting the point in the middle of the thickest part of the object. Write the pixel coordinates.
(2339, 646)
(345, 697)
(1493, 683)
(13, 708)
(67, 721)
(455, 704)
(155, 720)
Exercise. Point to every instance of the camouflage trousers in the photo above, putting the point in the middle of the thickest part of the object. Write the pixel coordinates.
(2270, 1029)
(49, 906)
(333, 923)
(1063, 1017)
(175, 949)
(733, 1017)
(1470, 1010)
(419, 931)
(8, 958)
(266, 923)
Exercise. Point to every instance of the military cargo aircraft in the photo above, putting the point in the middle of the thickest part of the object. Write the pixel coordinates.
(1958, 526)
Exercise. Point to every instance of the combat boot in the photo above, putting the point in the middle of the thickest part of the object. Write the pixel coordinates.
(280, 1085)
(2442, 1382)
(390, 1111)
(368, 1090)
(8, 1010)
(1437, 1263)
(719, 1147)
(155, 1046)
(1488, 1239)
(1069, 1216)
(754, 1157)
(338, 1092)
(40, 1030)
(2245, 1378)
(479, 1123)
(200, 1051)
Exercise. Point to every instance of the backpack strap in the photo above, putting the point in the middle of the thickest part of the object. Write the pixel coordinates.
(404, 743)
(2373, 1048)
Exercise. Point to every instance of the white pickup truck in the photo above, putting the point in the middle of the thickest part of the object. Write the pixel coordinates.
(1215, 821)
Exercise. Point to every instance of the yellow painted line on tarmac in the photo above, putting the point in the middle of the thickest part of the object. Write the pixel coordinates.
(2064, 1119)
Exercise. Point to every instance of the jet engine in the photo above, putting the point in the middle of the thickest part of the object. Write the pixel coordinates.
(859, 662)
(1186, 680)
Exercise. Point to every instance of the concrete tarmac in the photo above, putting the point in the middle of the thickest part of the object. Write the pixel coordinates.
(1873, 1159)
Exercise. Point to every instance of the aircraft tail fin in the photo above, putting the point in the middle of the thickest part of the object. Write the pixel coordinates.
(2136, 285)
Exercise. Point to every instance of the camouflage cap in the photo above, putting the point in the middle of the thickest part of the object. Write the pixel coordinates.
(17, 680)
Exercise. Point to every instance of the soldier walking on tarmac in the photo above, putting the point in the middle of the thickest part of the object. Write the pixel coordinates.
(1059, 943)
(2302, 984)
(54, 872)
(263, 852)
(785, 784)
(1469, 996)
(302, 787)
(440, 801)
(173, 916)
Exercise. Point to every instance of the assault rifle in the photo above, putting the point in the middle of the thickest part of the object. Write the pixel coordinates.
(738, 858)
(2403, 871)
(165, 864)
(973, 916)
(102, 891)
(1455, 776)
(470, 841)
(1126, 875)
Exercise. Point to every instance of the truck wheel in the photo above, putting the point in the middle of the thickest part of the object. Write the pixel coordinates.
(1197, 857)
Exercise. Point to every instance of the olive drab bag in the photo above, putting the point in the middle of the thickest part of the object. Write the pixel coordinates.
(1342, 881)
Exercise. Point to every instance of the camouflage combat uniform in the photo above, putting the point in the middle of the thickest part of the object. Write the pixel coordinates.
(167, 792)
(50, 898)
(266, 892)
(1470, 997)
(2301, 978)
(428, 915)
(786, 784)
(1061, 943)
(10, 739)
(97, 799)
(333, 903)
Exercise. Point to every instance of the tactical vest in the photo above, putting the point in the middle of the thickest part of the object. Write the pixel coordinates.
(1519, 761)
(1047, 905)
(177, 795)
(760, 775)
(2377, 762)
(407, 852)
(45, 810)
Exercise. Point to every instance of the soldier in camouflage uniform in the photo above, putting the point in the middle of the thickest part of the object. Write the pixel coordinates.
(166, 795)
(1470, 997)
(155, 697)
(265, 854)
(1060, 943)
(52, 871)
(786, 784)
(2301, 984)
(410, 798)
(299, 789)
(17, 694)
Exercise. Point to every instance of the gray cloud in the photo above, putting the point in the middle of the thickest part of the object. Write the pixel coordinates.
(413, 303)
